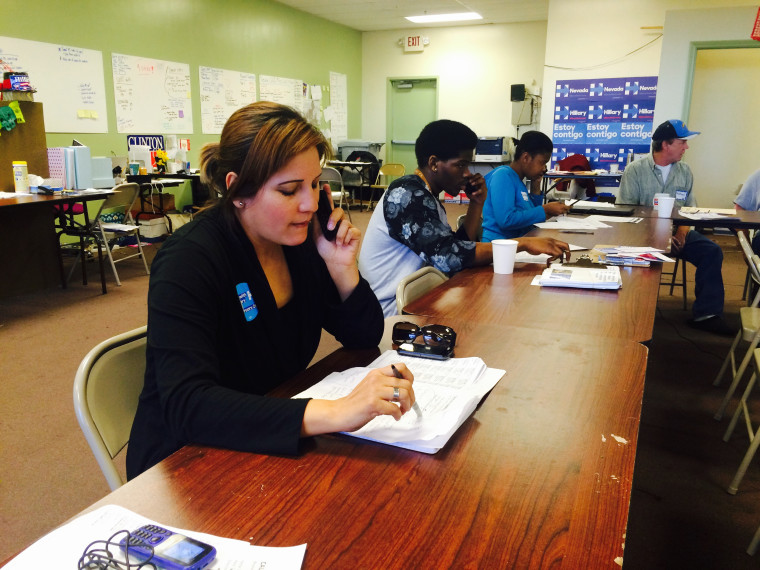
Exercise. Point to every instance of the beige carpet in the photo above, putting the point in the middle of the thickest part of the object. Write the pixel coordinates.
(681, 516)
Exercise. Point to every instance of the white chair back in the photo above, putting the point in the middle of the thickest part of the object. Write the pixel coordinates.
(107, 387)
(417, 284)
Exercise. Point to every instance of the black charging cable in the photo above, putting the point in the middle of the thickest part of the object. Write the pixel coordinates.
(98, 555)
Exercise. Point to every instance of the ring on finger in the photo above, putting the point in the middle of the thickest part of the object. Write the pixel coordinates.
(396, 394)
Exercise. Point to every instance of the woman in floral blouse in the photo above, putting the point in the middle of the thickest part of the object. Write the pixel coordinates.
(409, 230)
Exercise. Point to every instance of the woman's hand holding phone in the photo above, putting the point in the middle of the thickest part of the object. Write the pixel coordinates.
(324, 211)
(338, 247)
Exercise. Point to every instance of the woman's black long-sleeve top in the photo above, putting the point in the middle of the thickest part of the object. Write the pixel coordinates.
(209, 364)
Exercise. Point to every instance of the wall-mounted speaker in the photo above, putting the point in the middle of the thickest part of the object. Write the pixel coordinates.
(518, 92)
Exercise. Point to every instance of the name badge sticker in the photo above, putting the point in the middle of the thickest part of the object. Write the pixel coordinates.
(525, 196)
(681, 194)
(250, 311)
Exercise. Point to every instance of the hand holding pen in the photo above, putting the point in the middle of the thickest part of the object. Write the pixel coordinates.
(415, 405)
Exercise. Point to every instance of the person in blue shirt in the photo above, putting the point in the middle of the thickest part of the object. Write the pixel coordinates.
(749, 199)
(510, 209)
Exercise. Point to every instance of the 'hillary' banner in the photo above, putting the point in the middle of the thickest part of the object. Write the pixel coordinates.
(604, 119)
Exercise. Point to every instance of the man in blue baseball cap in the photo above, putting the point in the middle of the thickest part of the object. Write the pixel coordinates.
(663, 172)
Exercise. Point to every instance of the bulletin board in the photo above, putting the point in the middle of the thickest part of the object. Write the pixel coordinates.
(604, 119)
(25, 142)
(151, 95)
(222, 93)
(69, 82)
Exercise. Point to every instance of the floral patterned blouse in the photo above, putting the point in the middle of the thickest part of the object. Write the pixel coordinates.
(417, 219)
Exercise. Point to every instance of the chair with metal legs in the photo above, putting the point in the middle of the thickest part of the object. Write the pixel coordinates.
(742, 409)
(332, 177)
(750, 331)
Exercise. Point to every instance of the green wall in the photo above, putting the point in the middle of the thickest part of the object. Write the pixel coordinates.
(254, 36)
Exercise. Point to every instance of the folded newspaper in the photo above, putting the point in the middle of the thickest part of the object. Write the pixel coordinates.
(580, 277)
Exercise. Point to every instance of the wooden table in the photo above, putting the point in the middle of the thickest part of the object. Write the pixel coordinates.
(743, 220)
(480, 295)
(535, 478)
(29, 255)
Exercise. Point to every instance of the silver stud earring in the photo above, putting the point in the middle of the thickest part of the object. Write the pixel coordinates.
(240, 203)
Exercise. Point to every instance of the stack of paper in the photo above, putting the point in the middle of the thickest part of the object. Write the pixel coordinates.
(694, 210)
(447, 391)
(631, 255)
(580, 277)
(580, 204)
(574, 223)
(63, 547)
(706, 213)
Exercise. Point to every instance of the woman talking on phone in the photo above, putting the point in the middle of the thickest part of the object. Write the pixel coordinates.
(238, 299)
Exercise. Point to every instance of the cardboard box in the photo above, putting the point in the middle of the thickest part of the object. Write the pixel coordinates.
(449, 199)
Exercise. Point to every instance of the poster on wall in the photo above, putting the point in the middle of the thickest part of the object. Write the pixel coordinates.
(607, 120)
(222, 93)
(337, 112)
(151, 95)
(69, 81)
(283, 90)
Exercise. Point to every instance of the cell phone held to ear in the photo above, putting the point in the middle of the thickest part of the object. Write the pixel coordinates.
(324, 209)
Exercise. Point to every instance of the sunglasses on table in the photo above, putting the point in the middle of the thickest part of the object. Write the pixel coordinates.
(439, 340)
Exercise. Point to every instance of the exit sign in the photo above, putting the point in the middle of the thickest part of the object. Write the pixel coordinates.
(413, 43)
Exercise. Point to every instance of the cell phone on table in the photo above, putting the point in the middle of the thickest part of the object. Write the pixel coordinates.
(324, 209)
(171, 551)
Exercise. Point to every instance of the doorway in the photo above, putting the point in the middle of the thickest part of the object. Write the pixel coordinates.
(412, 104)
(724, 108)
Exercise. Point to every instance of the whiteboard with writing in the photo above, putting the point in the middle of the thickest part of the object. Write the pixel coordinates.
(69, 81)
(222, 93)
(151, 95)
(282, 90)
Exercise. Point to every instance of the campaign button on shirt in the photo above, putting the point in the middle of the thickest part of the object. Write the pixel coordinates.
(250, 310)
(525, 196)
(682, 194)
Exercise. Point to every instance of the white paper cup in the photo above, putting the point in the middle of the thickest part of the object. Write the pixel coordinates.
(614, 167)
(665, 206)
(655, 200)
(504, 251)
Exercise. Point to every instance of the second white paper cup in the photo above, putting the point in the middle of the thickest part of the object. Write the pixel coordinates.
(504, 251)
(665, 206)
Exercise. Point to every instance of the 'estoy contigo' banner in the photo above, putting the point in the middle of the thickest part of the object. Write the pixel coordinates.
(604, 119)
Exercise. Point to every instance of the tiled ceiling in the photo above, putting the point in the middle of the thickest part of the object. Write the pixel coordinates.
(373, 15)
